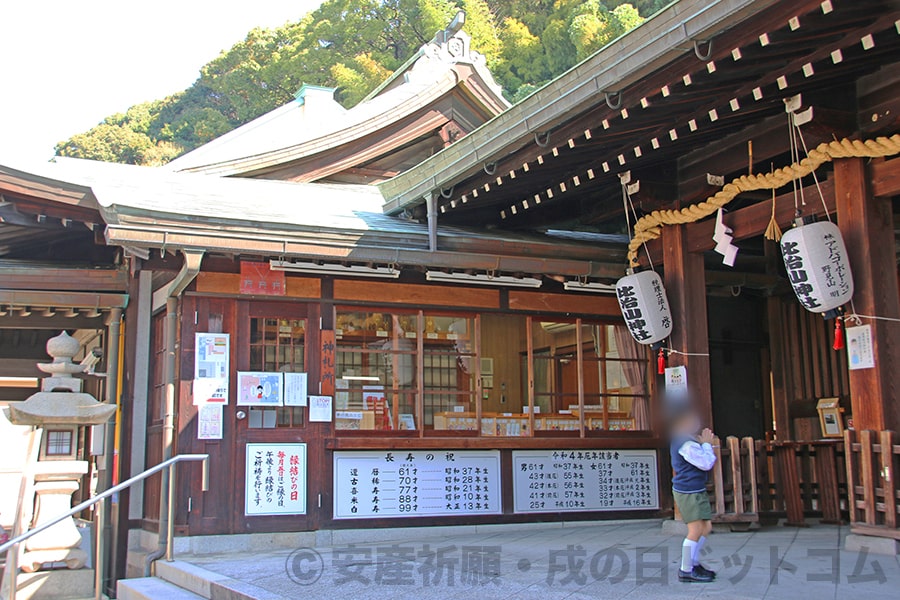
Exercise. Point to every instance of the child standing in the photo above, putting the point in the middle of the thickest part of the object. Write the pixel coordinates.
(692, 458)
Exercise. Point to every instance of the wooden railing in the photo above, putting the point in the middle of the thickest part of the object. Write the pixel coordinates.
(755, 480)
(734, 483)
(873, 464)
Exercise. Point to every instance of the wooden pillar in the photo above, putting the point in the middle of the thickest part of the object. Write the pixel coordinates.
(868, 229)
(686, 289)
(777, 356)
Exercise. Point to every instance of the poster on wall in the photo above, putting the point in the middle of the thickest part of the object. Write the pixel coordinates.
(211, 368)
(676, 380)
(584, 480)
(418, 483)
(860, 353)
(275, 482)
(320, 409)
(209, 421)
(295, 389)
(257, 388)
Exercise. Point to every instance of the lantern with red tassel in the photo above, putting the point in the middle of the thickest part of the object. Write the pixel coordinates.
(661, 362)
(838, 334)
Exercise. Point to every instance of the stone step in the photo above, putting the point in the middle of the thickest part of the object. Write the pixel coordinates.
(152, 588)
(209, 584)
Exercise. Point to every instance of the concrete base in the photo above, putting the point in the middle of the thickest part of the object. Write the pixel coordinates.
(261, 542)
(674, 527)
(56, 585)
(855, 542)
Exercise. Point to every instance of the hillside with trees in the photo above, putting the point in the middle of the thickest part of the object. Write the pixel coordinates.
(353, 45)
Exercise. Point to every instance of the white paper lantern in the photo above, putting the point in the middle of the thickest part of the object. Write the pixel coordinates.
(642, 299)
(816, 261)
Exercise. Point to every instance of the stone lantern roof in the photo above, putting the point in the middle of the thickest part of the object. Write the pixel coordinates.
(60, 401)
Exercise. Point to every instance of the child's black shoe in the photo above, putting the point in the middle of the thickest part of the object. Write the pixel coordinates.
(705, 571)
(695, 576)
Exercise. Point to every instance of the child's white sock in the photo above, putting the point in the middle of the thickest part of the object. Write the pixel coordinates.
(687, 555)
(696, 556)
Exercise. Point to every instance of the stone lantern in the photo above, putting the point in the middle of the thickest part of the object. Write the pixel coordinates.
(60, 408)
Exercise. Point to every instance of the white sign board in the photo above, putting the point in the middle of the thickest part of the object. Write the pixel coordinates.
(676, 380)
(584, 480)
(211, 352)
(295, 389)
(860, 352)
(209, 421)
(320, 409)
(402, 483)
(275, 480)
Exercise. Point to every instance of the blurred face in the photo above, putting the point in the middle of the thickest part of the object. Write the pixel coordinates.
(689, 424)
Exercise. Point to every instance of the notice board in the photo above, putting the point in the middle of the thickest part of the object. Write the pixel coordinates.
(275, 479)
(416, 483)
(584, 480)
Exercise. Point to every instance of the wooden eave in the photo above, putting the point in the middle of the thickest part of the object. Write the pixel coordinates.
(591, 142)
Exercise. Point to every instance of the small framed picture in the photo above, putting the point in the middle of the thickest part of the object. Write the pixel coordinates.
(487, 382)
(487, 366)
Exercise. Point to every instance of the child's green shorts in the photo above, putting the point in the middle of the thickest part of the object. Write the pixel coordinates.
(693, 507)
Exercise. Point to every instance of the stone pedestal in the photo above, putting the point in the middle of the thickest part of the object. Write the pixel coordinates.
(55, 482)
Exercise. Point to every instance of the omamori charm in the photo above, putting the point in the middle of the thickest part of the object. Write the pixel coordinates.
(642, 299)
(816, 261)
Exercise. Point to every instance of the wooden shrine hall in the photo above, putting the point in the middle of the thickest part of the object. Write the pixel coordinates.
(421, 290)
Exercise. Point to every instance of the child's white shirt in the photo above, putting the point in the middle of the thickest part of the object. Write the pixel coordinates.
(700, 455)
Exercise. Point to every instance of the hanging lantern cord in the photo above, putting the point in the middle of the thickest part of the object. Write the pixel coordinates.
(629, 205)
(795, 158)
(815, 177)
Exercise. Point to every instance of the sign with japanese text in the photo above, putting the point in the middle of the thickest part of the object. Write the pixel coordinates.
(860, 350)
(416, 483)
(275, 479)
(326, 387)
(211, 358)
(584, 480)
(258, 279)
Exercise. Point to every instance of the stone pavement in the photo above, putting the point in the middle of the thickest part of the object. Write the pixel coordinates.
(621, 559)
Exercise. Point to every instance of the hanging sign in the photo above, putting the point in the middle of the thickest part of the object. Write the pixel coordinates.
(642, 299)
(275, 481)
(584, 480)
(416, 483)
(211, 352)
(860, 353)
(816, 261)
(327, 347)
(676, 380)
(258, 279)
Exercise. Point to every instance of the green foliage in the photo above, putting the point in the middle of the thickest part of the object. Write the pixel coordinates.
(354, 45)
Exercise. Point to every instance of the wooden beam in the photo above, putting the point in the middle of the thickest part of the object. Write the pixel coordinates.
(769, 137)
(886, 178)
(686, 290)
(751, 221)
(867, 226)
(28, 276)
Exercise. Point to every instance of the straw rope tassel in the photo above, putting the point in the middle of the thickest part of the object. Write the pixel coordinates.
(773, 231)
(650, 226)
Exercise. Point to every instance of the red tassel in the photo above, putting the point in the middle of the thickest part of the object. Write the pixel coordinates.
(838, 334)
(661, 362)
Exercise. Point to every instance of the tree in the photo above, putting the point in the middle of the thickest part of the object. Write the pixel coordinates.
(354, 45)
